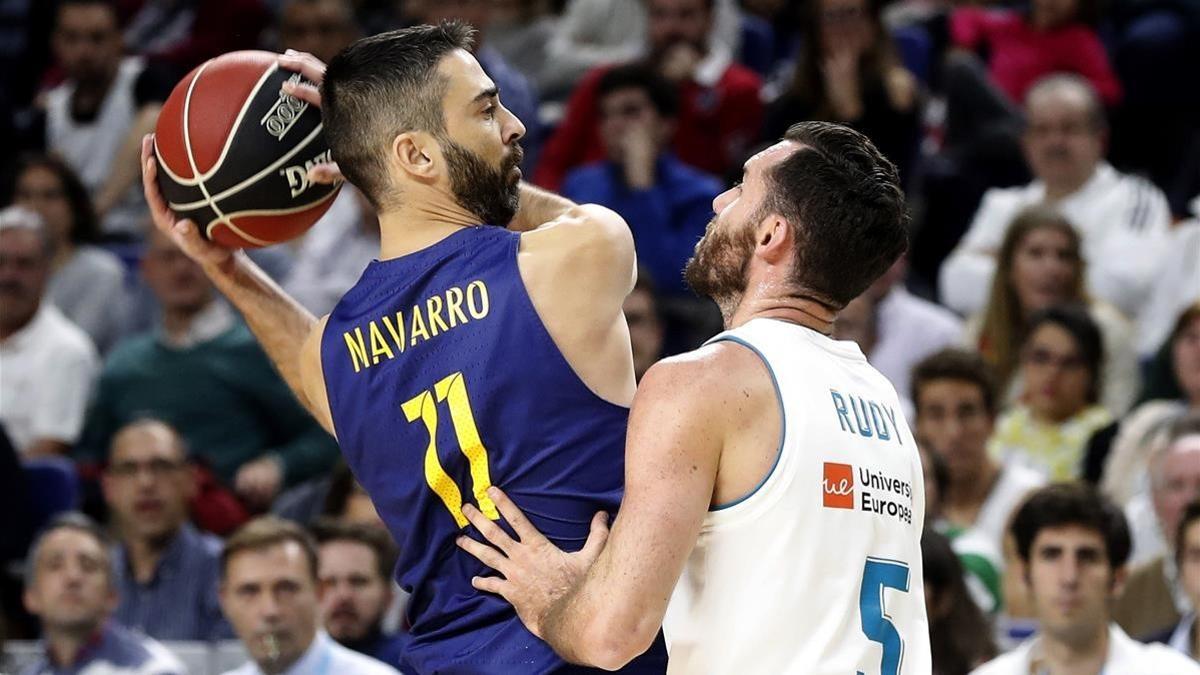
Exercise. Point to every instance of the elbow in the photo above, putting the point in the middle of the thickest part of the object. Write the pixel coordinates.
(610, 643)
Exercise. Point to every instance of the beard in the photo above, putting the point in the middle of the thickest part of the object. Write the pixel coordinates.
(491, 193)
(719, 266)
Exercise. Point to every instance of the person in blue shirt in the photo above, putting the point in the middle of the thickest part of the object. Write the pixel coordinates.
(69, 586)
(667, 203)
(355, 563)
(167, 571)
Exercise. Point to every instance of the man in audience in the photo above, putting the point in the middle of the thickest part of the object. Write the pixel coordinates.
(1073, 543)
(355, 565)
(667, 203)
(96, 118)
(69, 585)
(955, 401)
(1184, 637)
(1122, 219)
(203, 373)
(320, 27)
(720, 111)
(645, 322)
(48, 363)
(166, 571)
(270, 592)
(1153, 599)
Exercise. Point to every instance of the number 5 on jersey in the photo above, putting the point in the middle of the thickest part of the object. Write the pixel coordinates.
(879, 574)
(452, 390)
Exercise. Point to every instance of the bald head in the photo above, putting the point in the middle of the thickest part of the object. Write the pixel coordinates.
(1065, 134)
(1070, 91)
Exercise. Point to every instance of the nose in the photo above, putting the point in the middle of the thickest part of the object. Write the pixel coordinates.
(513, 129)
(723, 200)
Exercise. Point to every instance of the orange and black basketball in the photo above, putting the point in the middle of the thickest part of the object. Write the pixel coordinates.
(234, 152)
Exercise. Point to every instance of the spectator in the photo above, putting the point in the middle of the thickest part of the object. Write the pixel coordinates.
(49, 364)
(270, 592)
(1176, 286)
(848, 72)
(1073, 544)
(521, 30)
(96, 119)
(166, 571)
(355, 568)
(908, 328)
(1153, 599)
(645, 324)
(666, 203)
(1023, 48)
(720, 113)
(959, 633)
(955, 401)
(320, 27)
(1059, 409)
(182, 34)
(1116, 456)
(1184, 637)
(333, 254)
(1039, 266)
(70, 587)
(86, 282)
(203, 373)
(1122, 220)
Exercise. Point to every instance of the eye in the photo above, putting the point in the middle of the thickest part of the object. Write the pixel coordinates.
(490, 111)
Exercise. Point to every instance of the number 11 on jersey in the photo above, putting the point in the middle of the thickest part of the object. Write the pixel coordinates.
(452, 390)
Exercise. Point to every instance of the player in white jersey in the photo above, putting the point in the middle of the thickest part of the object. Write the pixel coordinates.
(774, 493)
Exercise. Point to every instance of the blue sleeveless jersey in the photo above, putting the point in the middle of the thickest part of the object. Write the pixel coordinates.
(443, 381)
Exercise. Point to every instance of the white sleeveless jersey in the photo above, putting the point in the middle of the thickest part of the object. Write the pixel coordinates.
(818, 570)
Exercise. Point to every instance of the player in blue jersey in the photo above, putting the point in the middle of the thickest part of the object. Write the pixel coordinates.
(469, 354)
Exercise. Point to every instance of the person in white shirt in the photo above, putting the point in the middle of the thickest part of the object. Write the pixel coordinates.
(1184, 637)
(48, 364)
(1123, 220)
(271, 595)
(1073, 543)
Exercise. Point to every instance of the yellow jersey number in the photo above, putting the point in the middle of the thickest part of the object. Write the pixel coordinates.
(452, 390)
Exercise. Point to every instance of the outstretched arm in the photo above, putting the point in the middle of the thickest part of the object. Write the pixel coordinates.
(610, 612)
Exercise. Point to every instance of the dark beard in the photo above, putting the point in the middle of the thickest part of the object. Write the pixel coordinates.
(718, 268)
(492, 194)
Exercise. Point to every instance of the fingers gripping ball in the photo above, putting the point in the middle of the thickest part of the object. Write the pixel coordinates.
(234, 152)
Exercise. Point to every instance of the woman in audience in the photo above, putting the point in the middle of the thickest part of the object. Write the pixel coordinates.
(87, 283)
(1059, 407)
(848, 72)
(1116, 455)
(1039, 265)
(958, 633)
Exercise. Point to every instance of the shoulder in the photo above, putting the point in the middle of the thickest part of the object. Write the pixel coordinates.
(691, 180)
(585, 231)
(740, 79)
(997, 201)
(348, 661)
(931, 316)
(586, 176)
(1005, 664)
(64, 337)
(708, 380)
(130, 353)
(99, 261)
(139, 653)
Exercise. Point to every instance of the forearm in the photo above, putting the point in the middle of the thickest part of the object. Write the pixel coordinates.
(279, 322)
(538, 207)
(125, 169)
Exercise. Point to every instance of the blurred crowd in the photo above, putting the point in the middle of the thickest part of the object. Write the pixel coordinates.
(162, 485)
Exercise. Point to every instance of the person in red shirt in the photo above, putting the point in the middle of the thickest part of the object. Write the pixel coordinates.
(720, 112)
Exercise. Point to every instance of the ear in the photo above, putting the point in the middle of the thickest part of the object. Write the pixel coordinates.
(774, 240)
(106, 487)
(32, 603)
(1120, 576)
(418, 155)
(188, 483)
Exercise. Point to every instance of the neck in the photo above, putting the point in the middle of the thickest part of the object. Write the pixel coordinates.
(421, 223)
(7, 330)
(1085, 656)
(281, 664)
(777, 303)
(1046, 418)
(90, 92)
(63, 644)
(177, 321)
(1067, 187)
(63, 250)
(966, 495)
(144, 554)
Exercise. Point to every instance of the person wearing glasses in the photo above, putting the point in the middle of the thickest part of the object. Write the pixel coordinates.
(1059, 406)
(167, 572)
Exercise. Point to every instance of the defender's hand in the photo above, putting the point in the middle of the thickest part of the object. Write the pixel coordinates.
(183, 232)
(536, 572)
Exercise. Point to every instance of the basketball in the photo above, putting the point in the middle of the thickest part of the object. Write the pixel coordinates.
(234, 152)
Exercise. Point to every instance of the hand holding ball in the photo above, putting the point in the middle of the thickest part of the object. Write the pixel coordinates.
(234, 151)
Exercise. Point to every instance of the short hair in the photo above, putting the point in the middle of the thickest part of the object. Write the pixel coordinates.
(661, 93)
(1072, 83)
(381, 86)
(70, 520)
(153, 423)
(1191, 515)
(1164, 439)
(19, 218)
(960, 365)
(110, 5)
(265, 532)
(842, 198)
(373, 537)
(1066, 504)
(1075, 319)
(85, 227)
